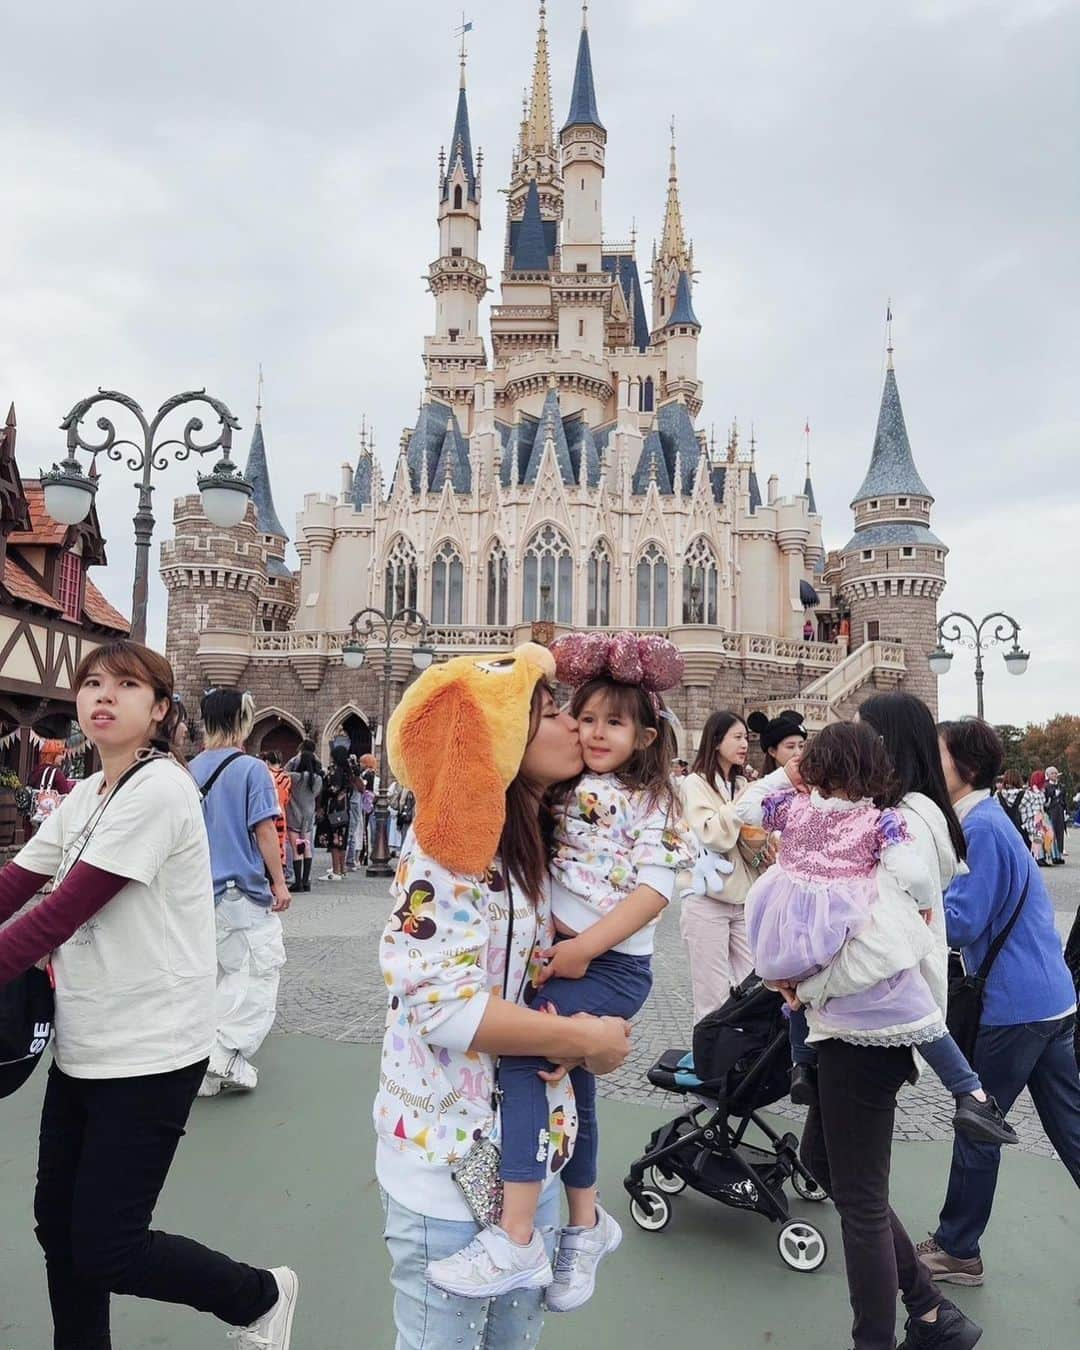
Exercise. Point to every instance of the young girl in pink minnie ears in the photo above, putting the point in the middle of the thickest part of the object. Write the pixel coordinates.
(619, 842)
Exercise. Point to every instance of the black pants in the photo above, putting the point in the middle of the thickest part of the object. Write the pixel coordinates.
(105, 1150)
(847, 1144)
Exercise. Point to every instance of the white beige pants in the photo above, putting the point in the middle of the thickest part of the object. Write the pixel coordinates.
(250, 954)
(715, 936)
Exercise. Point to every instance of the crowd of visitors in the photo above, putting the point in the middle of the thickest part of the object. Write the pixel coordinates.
(518, 947)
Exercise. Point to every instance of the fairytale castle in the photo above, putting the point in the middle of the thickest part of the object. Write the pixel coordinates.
(561, 481)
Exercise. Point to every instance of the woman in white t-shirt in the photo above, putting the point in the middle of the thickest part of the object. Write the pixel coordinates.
(130, 929)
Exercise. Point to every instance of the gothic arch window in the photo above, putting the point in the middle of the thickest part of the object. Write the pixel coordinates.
(647, 397)
(548, 578)
(497, 585)
(447, 585)
(401, 589)
(700, 583)
(652, 588)
(598, 605)
(458, 199)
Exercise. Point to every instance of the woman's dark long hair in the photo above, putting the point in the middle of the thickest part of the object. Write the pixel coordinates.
(905, 725)
(707, 761)
(527, 841)
(308, 765)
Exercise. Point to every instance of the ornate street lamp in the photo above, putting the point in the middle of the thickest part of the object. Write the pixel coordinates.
(386, 629)
(69, 492)
(1006, 628)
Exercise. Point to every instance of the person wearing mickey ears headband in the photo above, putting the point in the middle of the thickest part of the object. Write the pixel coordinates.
(481, 743)
(129, 931)
(782, 738)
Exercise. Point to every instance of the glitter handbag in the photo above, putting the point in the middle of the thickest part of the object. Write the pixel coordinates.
(477, 1175)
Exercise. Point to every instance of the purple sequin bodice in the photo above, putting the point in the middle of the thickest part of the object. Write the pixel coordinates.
(822, 844)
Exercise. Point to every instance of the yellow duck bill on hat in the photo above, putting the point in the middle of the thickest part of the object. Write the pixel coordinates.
(457, 739)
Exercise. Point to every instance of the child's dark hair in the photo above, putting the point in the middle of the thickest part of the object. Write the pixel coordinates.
(649, 768)
(850, 757)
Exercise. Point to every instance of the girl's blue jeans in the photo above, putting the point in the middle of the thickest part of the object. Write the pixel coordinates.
(615, 985)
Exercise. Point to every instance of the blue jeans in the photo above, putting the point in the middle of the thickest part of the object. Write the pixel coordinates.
(943, 1056)
(615, 985)
(1036, 1055)
(428, 1319)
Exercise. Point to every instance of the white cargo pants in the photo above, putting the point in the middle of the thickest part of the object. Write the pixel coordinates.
(250, 954)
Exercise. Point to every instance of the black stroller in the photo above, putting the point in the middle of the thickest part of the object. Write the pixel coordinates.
(741, 1062)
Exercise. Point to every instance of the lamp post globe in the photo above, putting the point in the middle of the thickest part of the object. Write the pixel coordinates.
(1016, 661)
(353, 654)
(225, 495)
(422, 657)
(940, 661)
(69, 493)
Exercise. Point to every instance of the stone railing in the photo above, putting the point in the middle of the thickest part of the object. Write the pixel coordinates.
(814, 709)
(857, 669)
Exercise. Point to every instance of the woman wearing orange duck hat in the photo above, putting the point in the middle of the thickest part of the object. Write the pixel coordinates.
(479, 741)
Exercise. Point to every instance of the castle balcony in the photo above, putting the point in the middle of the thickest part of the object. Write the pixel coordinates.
(531, 373)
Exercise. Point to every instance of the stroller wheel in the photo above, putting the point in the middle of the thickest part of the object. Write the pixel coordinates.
(660, 1215)
(801, 1246)
(807, 1190)
(670, 1185)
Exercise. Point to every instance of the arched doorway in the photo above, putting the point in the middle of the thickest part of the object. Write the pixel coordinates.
(348, 724)
(275, 730)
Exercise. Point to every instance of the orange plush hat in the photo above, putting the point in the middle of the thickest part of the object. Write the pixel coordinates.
(457, 739)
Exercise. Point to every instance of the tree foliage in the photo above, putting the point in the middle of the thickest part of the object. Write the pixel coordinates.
(1041, 744)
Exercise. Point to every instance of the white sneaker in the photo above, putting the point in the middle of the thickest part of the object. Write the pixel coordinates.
(239, 1075)
(492, 1265)
(580, 1251)
(273, 1331)
(210, 1085)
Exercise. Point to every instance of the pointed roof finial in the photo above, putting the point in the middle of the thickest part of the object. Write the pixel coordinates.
(258, 396)
(888, 333)
(584, 13)
(583, 111)
(461, 137)
(673, 242)
(808, 486)
(466, 27)
(540, 120)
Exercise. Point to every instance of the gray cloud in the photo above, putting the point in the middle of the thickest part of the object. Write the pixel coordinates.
(190, 191)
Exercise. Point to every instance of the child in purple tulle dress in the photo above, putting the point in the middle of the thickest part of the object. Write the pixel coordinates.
(822, 899)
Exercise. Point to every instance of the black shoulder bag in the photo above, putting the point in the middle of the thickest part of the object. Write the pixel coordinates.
(1013, 811)
(966, 992)
(27, 1003)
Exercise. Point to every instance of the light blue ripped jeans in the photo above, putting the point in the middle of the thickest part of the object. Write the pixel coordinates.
(428, 1319)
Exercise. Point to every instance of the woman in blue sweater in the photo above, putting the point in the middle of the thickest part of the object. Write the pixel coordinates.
(1029, 1009)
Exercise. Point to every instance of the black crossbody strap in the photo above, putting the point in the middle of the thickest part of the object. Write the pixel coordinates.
(999, 942)
(92, 824)
(205, 789)
(495, 1090)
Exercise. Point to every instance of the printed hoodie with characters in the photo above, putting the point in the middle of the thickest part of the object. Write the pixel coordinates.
(443, 956)
(609, 840)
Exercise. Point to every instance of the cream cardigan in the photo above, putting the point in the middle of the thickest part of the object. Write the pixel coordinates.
(713, 817)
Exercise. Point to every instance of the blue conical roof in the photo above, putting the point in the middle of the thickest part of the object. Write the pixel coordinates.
(258, 475)
(551, 424)
(461, 148)
(808, 493)
(583, 112)
(892, 469)
(530, 247)
(362, 484)
(683, 312)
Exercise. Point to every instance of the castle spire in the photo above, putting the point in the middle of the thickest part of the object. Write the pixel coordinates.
(892, 466)
(539, 134)
(257, 472)
(808, 486)
(583, 111)
(673, 242)
(258, 396)
(461, 138)
(530, 249)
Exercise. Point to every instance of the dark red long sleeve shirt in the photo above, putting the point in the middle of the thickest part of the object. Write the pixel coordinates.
(84, 891)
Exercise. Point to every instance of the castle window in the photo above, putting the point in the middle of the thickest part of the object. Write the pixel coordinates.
(939, 554)
(868, 555)
(598, 606)
(901, 501)
(454, 332)
(497, 579)
(455, 252)
(447, 585)
(700, 583)
(661, 306)
(907, 553)
(70, 588)
(581, 327)
(548, 578)
(458, 200)
(202, 617)
(401, 589)
(874, 505)
(582, 267)
(652, 588)
(648, 395)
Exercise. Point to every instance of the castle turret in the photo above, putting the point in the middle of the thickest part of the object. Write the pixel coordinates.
(673, 257)
(279, 600)
(892, 570)
(537, 156)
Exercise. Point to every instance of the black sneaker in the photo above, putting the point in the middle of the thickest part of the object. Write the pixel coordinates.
(804, 1085)
(982, 1121)
(951, 1331)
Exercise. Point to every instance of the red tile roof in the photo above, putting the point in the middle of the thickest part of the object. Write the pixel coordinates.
(24, 587)
(43, 529)
(98, 610)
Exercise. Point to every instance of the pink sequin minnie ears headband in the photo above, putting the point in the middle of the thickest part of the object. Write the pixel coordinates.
(651, 662)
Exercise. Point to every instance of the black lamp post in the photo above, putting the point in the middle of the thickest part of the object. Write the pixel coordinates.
(385, 628)
(1016, 660)
(69, 492)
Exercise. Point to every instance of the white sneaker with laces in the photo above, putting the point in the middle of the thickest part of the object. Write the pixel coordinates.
(273, 1331)
(492, 1265)
(239, 1075)
(580, 1251)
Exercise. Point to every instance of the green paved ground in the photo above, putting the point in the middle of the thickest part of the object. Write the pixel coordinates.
(285, 1176)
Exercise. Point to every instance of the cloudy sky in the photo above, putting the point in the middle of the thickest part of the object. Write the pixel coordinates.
(190, 190)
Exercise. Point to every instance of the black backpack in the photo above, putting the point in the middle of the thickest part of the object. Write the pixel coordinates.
(1012, 810)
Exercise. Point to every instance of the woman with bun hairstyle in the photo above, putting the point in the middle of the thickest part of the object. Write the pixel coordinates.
(461, 956)
(130, 928)
(714, 926)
